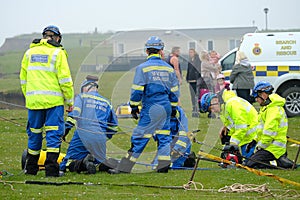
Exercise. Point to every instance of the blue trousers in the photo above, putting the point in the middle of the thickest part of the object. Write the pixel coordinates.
(155, 119)
(49, 120)
(76, 151)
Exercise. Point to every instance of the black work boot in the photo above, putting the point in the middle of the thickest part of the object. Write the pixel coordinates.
(76, 166)
(125, 166)
(285, 162)
(110, 163)
(163, 166)
(51, 165)
(88, 163)
(31, 164)
(191, 160)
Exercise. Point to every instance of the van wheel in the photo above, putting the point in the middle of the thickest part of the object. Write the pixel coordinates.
(292, 104)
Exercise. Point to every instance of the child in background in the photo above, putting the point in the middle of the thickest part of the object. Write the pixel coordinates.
(221, 83)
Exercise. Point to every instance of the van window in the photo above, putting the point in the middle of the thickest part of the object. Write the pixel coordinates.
(228, 62)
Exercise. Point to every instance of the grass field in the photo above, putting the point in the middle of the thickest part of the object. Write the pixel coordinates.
(142, 183)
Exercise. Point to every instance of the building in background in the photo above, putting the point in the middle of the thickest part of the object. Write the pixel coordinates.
(219, 39)
(127, 52)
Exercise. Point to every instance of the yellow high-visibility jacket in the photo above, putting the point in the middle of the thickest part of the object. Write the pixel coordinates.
(45, 76)
(241, 118)
(272, 117)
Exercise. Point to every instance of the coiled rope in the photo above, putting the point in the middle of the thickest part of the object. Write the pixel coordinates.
(241, 188)
(191, 185)
(237, 187)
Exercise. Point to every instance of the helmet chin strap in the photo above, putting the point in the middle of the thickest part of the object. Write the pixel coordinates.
(265, 101)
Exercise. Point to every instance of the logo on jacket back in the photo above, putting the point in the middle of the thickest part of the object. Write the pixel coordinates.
(160, 76)
(39, 58)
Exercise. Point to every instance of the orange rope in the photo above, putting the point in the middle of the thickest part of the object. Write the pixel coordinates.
(257, 172)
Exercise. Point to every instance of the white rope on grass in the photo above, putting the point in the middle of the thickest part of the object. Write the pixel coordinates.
(291, 194)
(239, 188)
(194, 184)
(10, 185)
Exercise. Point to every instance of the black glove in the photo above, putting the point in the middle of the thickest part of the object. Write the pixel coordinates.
(135, 111)
(174, 111)
(67, 130)
(250, 145)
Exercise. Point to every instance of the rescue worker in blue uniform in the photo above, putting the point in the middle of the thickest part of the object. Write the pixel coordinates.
(96, 122)
(47, 85)
(155, 87)
(272, 137)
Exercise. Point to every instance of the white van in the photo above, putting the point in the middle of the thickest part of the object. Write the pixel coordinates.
(274, 57)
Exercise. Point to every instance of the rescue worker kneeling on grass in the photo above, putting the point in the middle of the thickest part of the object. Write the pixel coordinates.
(181, 155)
(272, 137)
(237, 115)
(47, 85)
(155, 87)
(96, 122)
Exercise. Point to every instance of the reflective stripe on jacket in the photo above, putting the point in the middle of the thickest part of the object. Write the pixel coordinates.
(45, 76)
(154, 81)
(241, 118)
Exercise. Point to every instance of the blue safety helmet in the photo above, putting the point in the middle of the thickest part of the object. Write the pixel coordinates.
(53, 29)
(89, 80)
(155, 43)
(262, 86)
(205, 101)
